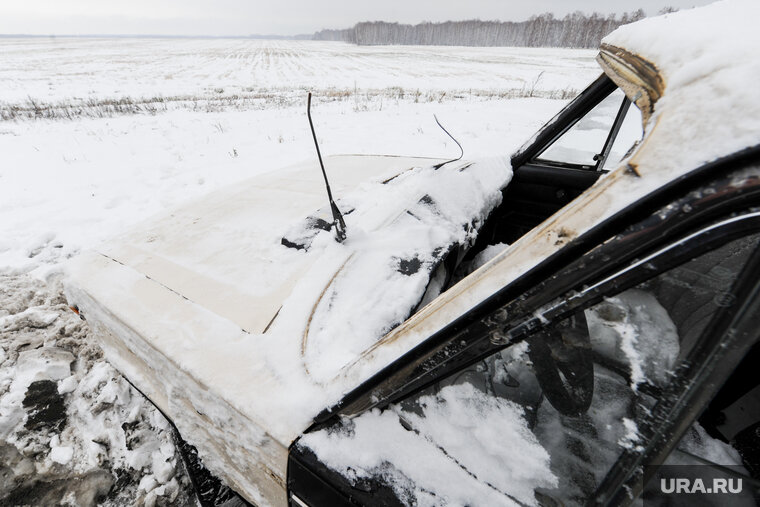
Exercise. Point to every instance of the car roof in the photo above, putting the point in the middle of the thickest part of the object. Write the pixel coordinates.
(694, 72)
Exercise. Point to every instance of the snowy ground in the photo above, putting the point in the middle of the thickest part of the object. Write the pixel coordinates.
(72, 430)
(96, 135)
(76, 77)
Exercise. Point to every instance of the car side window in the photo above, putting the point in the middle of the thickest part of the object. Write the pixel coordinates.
(568, 400)
(586, 381)
(604, 368)
(630, 133)
(605, 134)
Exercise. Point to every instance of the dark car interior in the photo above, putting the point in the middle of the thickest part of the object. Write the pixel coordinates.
(546, 179)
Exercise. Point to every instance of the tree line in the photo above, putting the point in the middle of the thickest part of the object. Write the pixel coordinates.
(576, 30)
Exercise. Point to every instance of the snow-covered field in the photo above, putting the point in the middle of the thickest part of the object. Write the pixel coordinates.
(98, 134)
(81, 76)
(66, 183)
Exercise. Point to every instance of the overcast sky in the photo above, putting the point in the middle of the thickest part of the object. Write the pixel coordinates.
(285, 17)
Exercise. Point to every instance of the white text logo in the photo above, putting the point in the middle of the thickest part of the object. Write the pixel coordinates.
(719, 485)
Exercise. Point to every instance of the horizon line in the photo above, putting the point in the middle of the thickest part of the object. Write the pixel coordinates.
(154, 36)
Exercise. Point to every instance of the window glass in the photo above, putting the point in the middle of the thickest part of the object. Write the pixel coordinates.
(631, 132)
(585, 140)
(545, 419)
(585, 382)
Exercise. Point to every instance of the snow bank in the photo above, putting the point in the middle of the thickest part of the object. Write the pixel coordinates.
(71, 428)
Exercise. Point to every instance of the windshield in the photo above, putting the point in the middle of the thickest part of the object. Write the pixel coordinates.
(584, 144)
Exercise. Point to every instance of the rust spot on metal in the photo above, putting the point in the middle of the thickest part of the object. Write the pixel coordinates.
(563, 235)
(638, 78)
(632, 168)
(75, 309)
(275, 477)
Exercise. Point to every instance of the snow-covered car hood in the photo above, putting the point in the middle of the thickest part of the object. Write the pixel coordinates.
(237, 309)
(225, 250)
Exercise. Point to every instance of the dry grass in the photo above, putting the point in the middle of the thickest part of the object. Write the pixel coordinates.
(363, 100)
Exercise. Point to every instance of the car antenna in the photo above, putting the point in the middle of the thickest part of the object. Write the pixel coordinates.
(338, 222)
(461, 150)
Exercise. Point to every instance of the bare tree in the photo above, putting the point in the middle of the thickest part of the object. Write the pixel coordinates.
(577, 30)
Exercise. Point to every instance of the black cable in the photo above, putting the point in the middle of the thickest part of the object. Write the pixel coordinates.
(461, 150)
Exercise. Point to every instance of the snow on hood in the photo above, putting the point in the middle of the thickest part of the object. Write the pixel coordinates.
(346, 295)
(386, 262)
(357, 291)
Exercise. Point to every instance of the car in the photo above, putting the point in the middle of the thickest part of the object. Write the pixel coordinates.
(546, 330)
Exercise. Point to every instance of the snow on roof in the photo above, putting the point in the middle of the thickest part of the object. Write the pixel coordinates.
(707, 58)
(693, 38)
